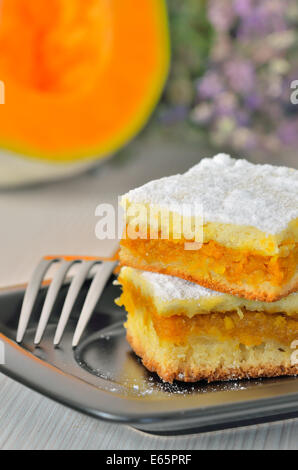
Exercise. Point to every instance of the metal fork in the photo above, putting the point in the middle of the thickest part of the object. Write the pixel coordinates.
(98, 284)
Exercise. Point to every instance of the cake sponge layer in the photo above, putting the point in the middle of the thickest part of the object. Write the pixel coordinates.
(205, 358)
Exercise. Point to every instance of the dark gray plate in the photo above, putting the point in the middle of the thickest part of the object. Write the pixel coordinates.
(104, 379)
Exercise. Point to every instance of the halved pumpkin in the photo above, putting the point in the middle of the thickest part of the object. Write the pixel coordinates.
(81, 76)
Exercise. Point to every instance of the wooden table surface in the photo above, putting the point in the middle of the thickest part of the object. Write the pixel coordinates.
(60, 218)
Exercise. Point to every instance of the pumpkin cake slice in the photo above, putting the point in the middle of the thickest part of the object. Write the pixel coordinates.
(249, 227)
(186, 332)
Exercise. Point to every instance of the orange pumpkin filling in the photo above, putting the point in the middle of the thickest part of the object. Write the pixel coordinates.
(236, 266)
(251, 330)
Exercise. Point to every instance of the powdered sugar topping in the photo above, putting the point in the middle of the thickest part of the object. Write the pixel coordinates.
(230, 191)
(173, 288)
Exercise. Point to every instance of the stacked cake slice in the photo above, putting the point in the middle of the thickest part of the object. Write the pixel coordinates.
(213, 300)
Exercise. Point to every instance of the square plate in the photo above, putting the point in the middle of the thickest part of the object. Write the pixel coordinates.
(104, 379)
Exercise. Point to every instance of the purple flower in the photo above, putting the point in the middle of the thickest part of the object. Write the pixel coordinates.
(226, 104)
(247, 86)
(242, 117)
(221, 14)
(253, 101)
(241, 75)
(265, 18)
(288, 132)
(243, 7)
(210, 85)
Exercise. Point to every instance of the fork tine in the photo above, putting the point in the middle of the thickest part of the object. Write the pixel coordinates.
(98, 284)
(30, 296)
(51, 297)
(71, 297)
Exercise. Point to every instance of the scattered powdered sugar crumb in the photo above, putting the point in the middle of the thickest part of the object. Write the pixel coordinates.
(152, 387)
(229, 191)
(174, 288)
